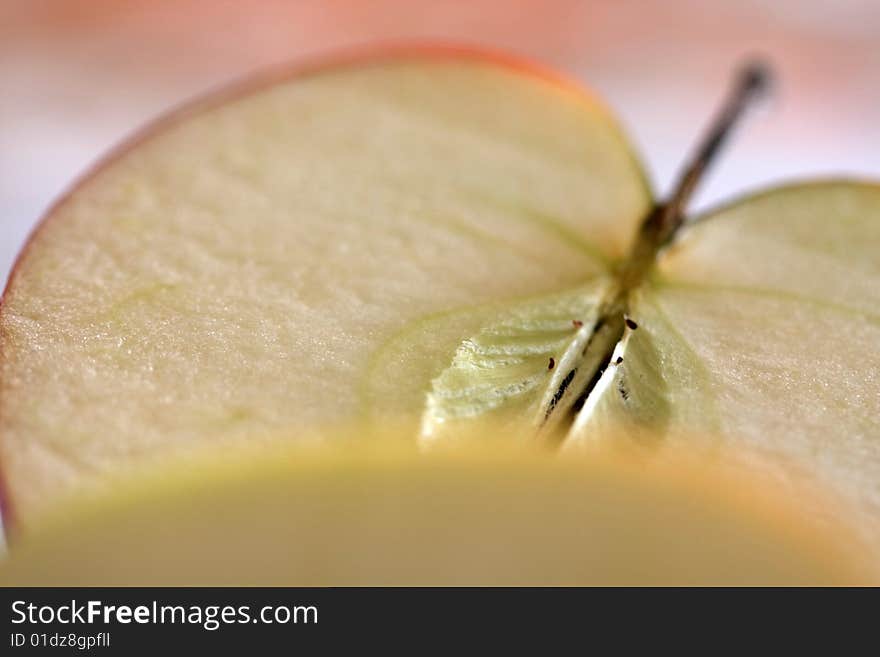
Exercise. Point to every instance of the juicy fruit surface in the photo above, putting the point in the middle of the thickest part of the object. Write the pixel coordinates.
(764, 320)
(377, 517)
(242, 269)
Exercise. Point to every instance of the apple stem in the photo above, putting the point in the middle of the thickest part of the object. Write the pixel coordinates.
(657, 230)
(751, 82)
(666, 218)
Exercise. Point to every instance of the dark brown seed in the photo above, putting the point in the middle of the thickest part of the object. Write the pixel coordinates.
(631, 324)
(619, 360)
(552, 364)
(577, 323)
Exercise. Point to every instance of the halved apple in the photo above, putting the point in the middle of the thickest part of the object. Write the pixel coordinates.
(434, 239)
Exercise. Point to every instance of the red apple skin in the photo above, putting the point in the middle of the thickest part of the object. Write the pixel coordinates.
(255, 83)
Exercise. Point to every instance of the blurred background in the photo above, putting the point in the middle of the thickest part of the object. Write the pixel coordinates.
(77, 76)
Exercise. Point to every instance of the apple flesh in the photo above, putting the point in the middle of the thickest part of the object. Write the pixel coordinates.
(243, 268)
(759, 332)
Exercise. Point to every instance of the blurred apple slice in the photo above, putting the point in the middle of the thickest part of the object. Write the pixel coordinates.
(391, 516)
(255, 263)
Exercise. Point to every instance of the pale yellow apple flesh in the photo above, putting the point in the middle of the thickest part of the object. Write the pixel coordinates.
(244, 268)
(397, 517)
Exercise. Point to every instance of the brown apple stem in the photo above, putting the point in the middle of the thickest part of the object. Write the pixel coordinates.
(751, 83)
(665, 220)
(658, 228)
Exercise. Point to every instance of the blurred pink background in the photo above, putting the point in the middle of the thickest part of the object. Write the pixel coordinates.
(76, 76)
